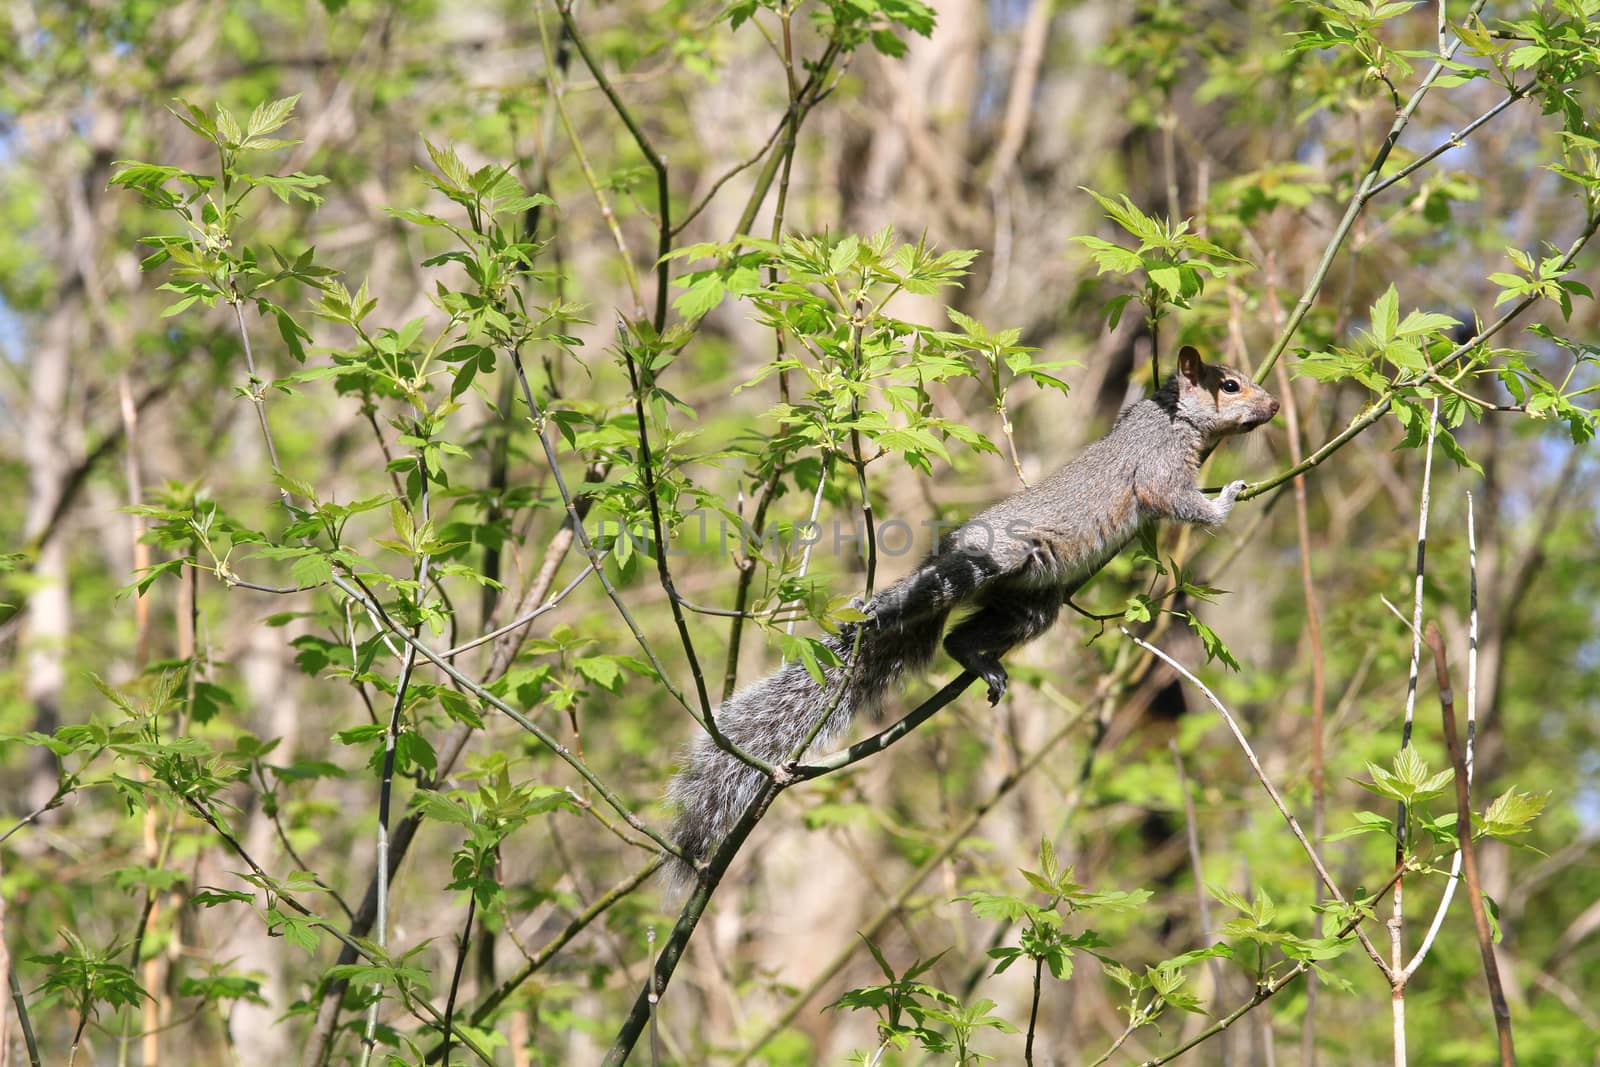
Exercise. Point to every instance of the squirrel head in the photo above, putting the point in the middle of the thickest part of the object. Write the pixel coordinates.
(1220, 400)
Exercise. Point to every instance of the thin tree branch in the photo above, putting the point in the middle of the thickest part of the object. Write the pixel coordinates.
(391, 738)
(897, 901)
(657, 163)
(463, 944)
(525, 618)
(639, 379)
(1364, 192)
(811, 94)
(24, 1023)
(1472, 720)
(484, 1011)
(1267, 991)
(1455, 140)
(733, 172)
(558, 96)
(711, 874)
(1261, 776)
(1469, 853)
(1397, 918)
(1381, 404)
(706, 720)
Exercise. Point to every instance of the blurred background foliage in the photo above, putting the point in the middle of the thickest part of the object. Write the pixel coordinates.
(975, 126)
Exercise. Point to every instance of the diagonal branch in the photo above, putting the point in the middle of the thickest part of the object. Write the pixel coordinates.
(1358, 202)
(1469, 852)
(1266, 783)
(657, 162)
(1381, 404)
(711, 875)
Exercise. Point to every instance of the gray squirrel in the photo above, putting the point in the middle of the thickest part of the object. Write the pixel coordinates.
(1014, 564)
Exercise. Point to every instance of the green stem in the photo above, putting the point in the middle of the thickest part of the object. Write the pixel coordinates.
(557, 95)
(1363, 194)
(657, 162)
(710, 876)
(1385, 399)
(550, 741)
(20, 1002)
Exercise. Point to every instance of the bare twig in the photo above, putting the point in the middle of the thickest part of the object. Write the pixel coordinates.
(731, 173)
(20, 1002)
(657, 163)
(64, 787)
(1261, 776)
(1364, 192)
(811, 93)
(557, 91)
(1270, 989)
(1381, 403)
(526, 617)
(1455, 140)
(463, 943)
(1469, 855)
(1396, 923)
(1472, 719)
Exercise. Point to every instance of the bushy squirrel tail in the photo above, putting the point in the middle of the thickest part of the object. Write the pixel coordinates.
(770, 718)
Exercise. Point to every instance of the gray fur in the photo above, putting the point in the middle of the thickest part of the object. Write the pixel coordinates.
(771, 717)
(1013, 563)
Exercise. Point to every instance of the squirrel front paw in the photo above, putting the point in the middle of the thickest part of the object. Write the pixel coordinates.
(1231, 491)
(872, 609)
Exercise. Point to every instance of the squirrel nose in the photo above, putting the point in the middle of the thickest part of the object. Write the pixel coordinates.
(1274, 409)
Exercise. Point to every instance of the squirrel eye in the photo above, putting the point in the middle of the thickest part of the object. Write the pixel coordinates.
(1229, 385)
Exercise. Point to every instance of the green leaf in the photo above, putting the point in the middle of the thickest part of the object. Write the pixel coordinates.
(602, 671)
(357, 735)
(1109, 257)
(210, 898)
(844, 255)
(1168, 279)
(1386, 316)
(269, 117)
(1512, 812)
(701, 297)
(1367, 822)
(1424, 322)
(1216, 649)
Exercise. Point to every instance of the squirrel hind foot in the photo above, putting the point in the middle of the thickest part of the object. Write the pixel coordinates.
(987, 666)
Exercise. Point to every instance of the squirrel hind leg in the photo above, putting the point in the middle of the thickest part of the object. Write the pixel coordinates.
(985, 665)
(1005, 620)
(932, 589)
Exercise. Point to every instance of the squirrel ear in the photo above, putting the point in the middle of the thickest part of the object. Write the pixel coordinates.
(1189, 364)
